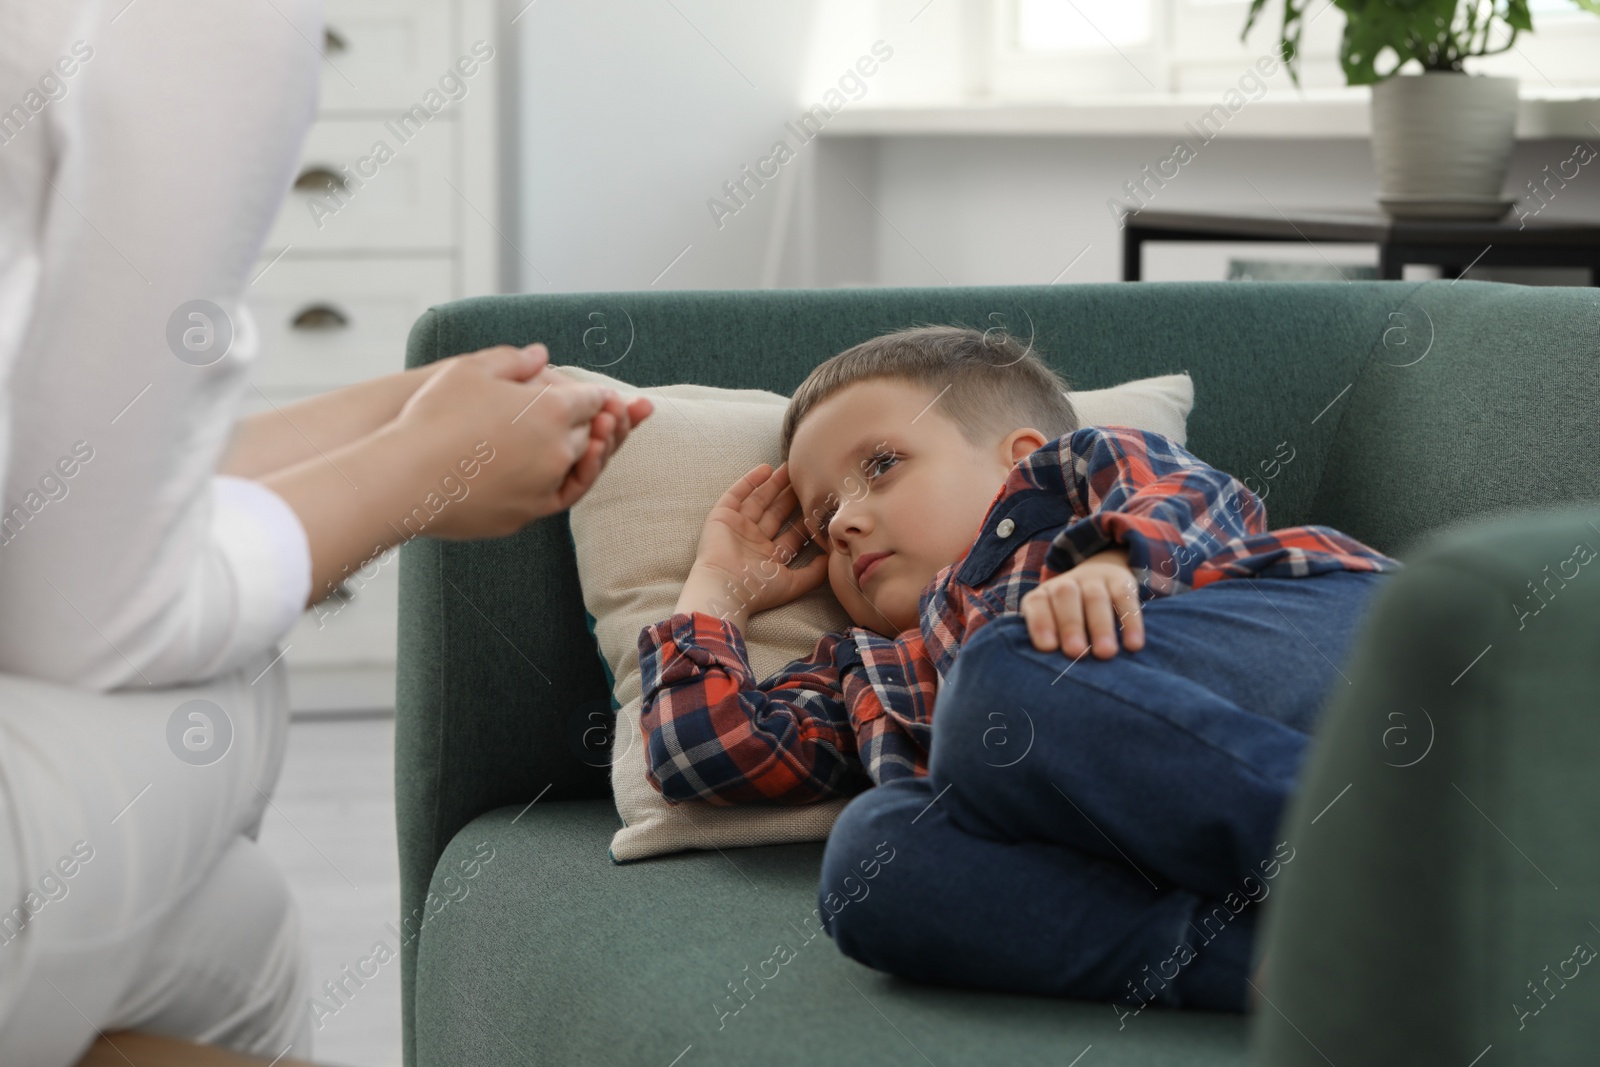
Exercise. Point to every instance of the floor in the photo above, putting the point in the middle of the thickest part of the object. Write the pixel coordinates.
(331, 829)
(121, 1048)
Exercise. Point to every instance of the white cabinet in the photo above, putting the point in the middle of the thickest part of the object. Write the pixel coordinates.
(381, 54)
(392, 209)
(404, 203)
(329, 322)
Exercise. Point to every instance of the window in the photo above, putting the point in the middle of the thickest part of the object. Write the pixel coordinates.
(1053, 50)
(1050, 48)
(1082, 26)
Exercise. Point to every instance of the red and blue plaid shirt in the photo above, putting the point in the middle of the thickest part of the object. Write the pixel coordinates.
(859, 710)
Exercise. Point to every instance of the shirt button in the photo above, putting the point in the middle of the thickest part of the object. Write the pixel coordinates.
(1005, 527)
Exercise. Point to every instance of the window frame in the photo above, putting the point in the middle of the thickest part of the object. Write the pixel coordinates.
(1195, 46)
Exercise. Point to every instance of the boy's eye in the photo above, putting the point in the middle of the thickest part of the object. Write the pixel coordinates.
(877, 456)
(874, 466)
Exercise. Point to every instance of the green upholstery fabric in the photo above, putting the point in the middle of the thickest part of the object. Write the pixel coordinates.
(560, 956)
(1460, 861)
(1498, 416)
(556, 955)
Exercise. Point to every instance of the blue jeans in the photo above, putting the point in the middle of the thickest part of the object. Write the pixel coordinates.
(1100, 829)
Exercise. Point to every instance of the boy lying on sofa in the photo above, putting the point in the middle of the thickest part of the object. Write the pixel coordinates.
(1098, 827)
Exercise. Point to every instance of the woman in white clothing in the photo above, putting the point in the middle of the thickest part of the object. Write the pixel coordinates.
(152, 550)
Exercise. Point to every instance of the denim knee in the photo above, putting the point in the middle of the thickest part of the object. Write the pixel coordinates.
(978, 729)
(856, 894)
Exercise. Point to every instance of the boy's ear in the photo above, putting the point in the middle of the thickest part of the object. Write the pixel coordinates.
(1020, 442)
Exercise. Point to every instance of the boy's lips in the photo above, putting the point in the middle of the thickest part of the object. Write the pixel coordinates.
(866, 564)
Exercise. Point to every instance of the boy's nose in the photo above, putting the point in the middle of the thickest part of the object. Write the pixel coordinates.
(846, 527)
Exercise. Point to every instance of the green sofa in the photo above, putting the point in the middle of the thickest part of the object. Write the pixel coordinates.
(1411, 916)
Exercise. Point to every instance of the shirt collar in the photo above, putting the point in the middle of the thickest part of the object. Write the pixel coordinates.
(1033, 498)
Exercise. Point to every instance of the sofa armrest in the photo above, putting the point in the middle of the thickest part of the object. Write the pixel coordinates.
(1446, 824)
(498, 686)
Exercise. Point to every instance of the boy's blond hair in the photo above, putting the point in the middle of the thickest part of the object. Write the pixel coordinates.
(995, 383)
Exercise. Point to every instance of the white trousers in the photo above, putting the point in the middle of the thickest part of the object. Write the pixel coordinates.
(127, 826)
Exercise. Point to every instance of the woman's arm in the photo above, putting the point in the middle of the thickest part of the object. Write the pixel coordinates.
(273, 440)
(489, 443)
(144, 567)
(148, 570)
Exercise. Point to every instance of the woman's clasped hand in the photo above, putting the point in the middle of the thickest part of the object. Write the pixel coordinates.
(559, 433)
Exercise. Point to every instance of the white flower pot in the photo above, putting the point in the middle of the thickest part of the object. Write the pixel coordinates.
(1441, 144)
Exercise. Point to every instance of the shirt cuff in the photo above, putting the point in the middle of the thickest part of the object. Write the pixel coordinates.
(687, 645)
(266, 547)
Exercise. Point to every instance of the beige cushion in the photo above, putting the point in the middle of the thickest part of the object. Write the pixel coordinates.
(636, 532)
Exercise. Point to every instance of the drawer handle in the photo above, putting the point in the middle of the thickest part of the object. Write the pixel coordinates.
(321, 317)
(333, 41)
(319, 179)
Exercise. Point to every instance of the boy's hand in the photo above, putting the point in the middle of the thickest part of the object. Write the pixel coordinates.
(740, 543)
(1078, 609)
(607, 431)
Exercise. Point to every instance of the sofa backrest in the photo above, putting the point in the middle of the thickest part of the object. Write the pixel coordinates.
(1386, 409)
(1485, 400)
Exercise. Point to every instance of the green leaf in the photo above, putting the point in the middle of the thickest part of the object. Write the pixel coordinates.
(1382, 36)
(1255, 9)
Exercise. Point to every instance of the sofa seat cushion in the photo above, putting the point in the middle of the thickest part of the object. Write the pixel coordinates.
(553, 954)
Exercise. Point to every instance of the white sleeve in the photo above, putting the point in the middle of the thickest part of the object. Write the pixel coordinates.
(147, 179)
(269, 560)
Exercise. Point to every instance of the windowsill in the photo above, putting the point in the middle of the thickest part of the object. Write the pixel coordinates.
(1316, 114)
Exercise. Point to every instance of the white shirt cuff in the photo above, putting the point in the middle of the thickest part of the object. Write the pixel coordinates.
(267, 550)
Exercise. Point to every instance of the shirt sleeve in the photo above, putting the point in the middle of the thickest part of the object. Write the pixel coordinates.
(890, 687)
(1147, 494)
(714, 733)
(268, 558)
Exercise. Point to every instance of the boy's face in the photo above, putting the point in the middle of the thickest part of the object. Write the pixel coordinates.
(878, 469)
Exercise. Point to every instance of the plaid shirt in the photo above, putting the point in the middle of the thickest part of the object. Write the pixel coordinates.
(858, 711)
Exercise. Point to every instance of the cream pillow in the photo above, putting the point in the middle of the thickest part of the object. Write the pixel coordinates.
(710, 438)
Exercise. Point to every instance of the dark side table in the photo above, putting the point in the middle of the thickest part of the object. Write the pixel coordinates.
(1454, 246)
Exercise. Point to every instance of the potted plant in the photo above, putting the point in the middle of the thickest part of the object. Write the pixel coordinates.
(1441, 138)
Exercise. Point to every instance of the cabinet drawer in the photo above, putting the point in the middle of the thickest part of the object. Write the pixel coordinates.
(382, 55)
(331, 322)
(404, 203)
